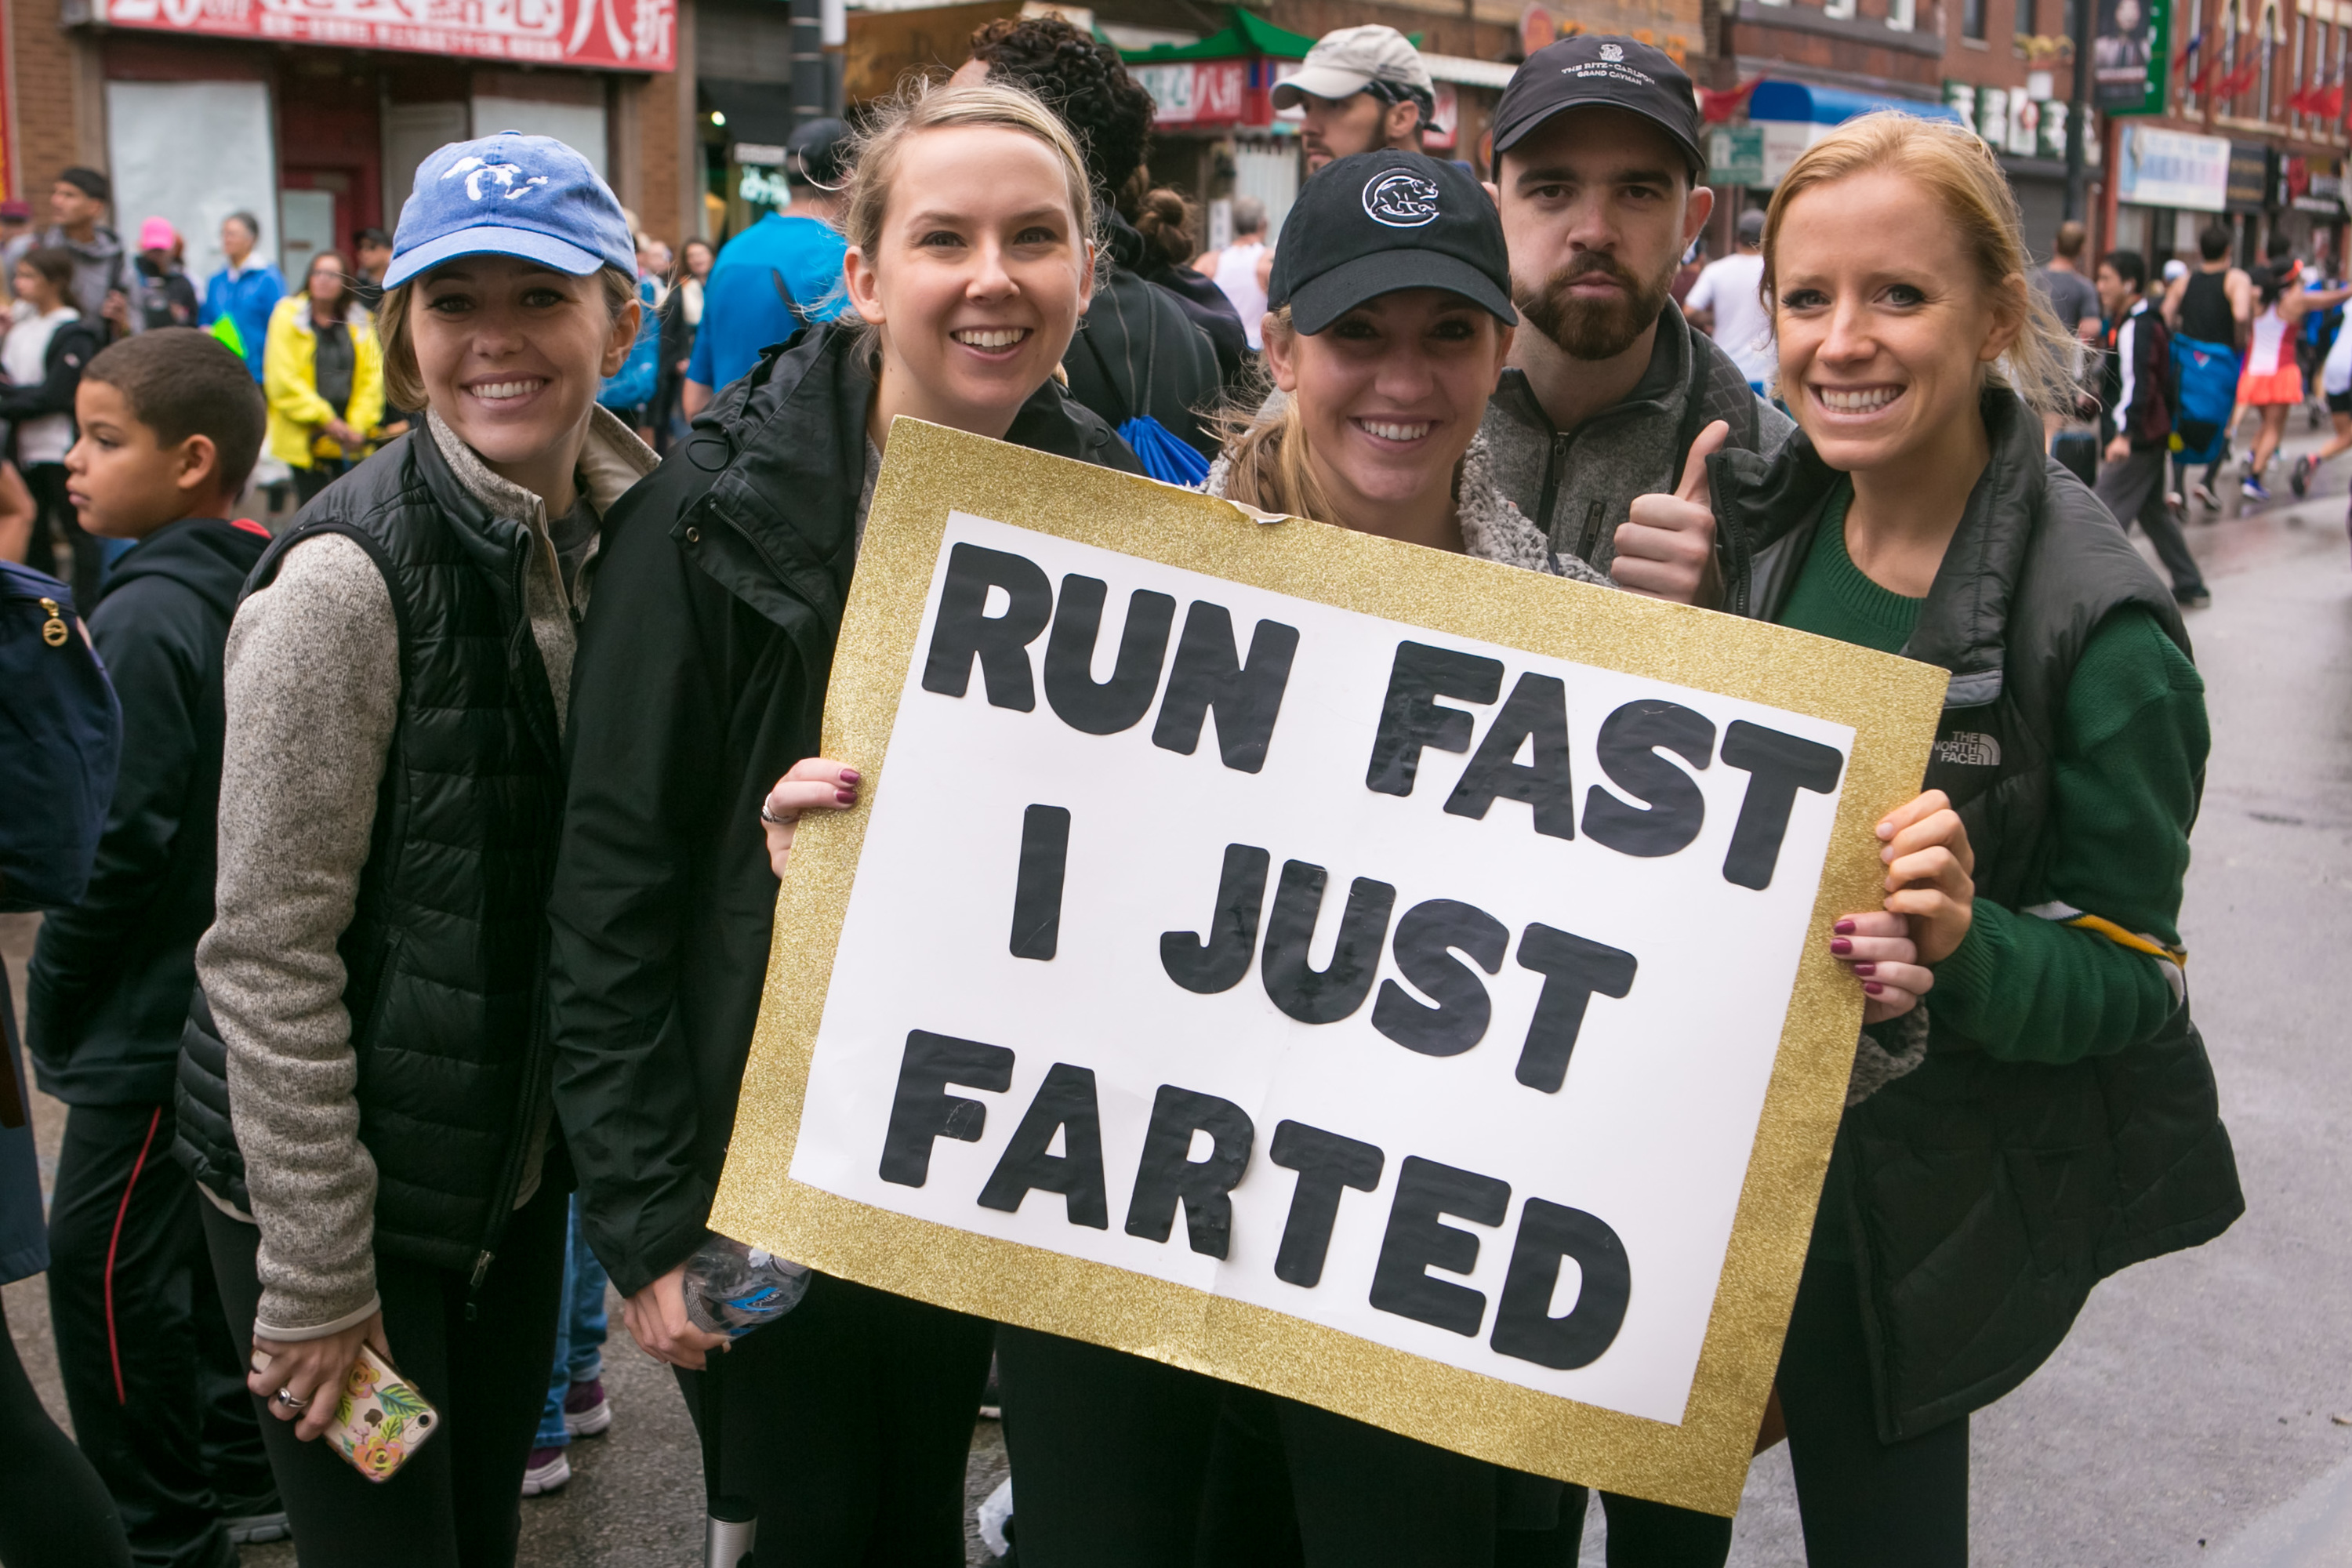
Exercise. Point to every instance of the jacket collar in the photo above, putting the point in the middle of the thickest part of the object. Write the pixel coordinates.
(1768, 509)
(788, 445)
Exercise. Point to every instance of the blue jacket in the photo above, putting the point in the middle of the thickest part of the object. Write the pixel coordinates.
(631, 386)
(247, 299)
(743, 308)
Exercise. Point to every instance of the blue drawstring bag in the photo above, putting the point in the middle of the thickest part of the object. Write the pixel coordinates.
(1164, 456)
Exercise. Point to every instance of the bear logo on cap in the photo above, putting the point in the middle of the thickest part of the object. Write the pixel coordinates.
(1612, 51)
(1401, 199)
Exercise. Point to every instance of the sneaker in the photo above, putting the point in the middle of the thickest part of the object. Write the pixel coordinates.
(2251, 488)
(2196, 598)
(2299, 478)
(258, 1529)
(546, 1470)
(2205, 496)
(587, 1411)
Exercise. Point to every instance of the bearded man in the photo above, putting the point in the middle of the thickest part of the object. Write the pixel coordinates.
(1596, 164)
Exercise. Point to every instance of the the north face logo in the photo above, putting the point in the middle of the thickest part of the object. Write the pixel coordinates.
(1401, 199)
(1967, 749)
(480, 176)
(1612, 51)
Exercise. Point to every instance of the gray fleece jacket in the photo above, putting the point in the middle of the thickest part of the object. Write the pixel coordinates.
(313, 692)
(1579, 485)
(1493, 528)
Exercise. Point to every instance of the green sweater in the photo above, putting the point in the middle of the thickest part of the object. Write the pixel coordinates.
(2131, 758)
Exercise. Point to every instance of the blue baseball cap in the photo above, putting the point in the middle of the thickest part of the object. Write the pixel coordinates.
(511, 195)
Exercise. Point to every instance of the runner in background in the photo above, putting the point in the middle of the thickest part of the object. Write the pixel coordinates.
(780, 274)
(1727, 304)
(2273, 381)
(2212, 310)
(2075, 301)
(1235, 270)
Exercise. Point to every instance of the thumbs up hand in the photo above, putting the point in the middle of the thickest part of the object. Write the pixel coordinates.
(1666, 546)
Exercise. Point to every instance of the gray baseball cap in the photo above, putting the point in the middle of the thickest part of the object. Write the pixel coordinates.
(1349, 60)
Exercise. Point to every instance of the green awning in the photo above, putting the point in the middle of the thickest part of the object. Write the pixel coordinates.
(1249, 34)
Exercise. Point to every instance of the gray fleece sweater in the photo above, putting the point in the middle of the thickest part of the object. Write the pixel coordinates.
(1493, 527)
(313, 692)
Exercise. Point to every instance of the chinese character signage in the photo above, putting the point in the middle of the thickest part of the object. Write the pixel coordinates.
(632, 35)
(2172, 169)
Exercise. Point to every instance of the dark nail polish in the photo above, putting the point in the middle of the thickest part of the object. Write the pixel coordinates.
(1843, 927)
(1865, 969)
(846, 796)
(1873, 986)
(1841, 946)
(849, 776)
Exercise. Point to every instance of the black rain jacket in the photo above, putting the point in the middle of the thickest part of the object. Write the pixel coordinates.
(700, 681)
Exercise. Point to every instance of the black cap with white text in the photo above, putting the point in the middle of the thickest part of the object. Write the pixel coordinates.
(1591, 71)
(1378, 222)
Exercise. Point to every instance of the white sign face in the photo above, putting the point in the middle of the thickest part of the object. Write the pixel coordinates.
(1423, 988)
(2161, 168)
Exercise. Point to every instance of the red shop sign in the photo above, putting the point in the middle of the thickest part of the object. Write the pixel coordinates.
(1191, 94)
(632, 35)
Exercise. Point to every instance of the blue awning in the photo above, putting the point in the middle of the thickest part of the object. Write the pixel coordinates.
(1796, 101)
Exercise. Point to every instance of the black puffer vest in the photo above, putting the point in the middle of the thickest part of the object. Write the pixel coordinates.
(446, 949)
(1990, 1197)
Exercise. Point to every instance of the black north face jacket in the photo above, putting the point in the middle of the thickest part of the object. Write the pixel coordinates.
(1990, 1197)
(700, 681)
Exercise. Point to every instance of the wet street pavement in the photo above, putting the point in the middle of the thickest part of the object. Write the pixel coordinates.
(2201, 1411)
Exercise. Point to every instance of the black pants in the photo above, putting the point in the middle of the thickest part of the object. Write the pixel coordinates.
(1864, 1504)
(54, 1510)
(82, 559)
(457, 1501)
(1120, 1459)
(322, 472)
(152, 1375)
(848, 1422)
(2134, 490)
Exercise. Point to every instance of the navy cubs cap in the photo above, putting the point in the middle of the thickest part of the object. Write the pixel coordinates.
(511, 195)
(1382, 221)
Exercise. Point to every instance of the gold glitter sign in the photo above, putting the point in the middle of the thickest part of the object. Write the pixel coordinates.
(1390, 980)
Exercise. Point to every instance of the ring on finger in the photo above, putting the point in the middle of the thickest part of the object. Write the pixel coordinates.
(286, 1396)
(767, 816)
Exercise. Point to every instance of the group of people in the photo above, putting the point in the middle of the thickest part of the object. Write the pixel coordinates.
(493, 764)
(2182, 355)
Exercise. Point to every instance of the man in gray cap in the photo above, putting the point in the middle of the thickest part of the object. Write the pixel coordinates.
(1361, 90)
(1596, 170)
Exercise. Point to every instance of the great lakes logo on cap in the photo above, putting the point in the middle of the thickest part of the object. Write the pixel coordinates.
(479, 174)
(1401, 199)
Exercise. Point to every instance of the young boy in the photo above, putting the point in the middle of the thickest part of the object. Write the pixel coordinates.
(169, 426)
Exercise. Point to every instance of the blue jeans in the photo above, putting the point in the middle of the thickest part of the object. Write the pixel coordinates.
(578, 1332)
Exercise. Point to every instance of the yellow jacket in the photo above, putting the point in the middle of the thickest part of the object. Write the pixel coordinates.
(289, 380)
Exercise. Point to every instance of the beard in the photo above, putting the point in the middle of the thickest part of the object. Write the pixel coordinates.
(1596, 329)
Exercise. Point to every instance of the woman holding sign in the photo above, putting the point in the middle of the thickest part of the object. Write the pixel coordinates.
(1394, 319)
(701, 678)
(2048, 1117)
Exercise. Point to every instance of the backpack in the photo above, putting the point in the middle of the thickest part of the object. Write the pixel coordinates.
(60, 739)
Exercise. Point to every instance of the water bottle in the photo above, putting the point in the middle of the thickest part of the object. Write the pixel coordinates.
(732, 1288)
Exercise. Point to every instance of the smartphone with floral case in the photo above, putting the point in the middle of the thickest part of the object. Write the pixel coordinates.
(380, 1418)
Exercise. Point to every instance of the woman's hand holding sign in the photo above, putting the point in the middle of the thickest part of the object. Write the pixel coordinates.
(1930, 900)
(815, 784)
